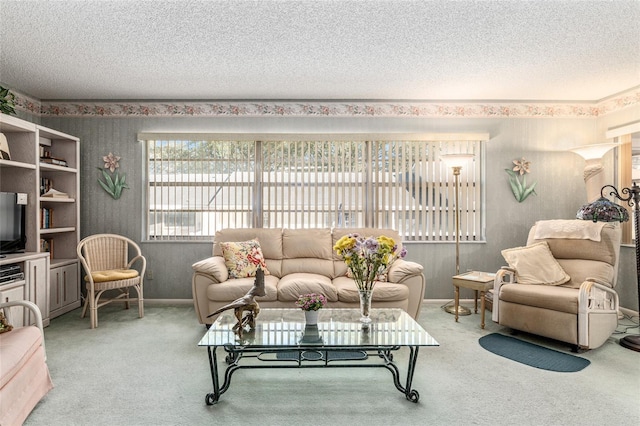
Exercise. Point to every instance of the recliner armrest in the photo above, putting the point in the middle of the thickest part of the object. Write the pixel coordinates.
(505, 275)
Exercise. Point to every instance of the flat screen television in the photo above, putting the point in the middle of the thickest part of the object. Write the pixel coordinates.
(13, 236)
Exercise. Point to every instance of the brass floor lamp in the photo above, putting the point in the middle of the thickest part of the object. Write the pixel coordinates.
(456, 162)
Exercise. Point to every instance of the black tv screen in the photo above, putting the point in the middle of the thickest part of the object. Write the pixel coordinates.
(13, 237)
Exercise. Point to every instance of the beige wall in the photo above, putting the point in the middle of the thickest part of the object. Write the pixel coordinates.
(543, 141)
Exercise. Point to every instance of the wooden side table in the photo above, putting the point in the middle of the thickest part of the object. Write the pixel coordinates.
(477, 281)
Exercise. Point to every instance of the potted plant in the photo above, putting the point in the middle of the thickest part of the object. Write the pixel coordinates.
(310, 304)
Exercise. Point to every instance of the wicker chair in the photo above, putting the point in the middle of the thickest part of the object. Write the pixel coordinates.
(105, 258)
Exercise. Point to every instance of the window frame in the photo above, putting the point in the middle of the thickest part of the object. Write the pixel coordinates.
(256, 209)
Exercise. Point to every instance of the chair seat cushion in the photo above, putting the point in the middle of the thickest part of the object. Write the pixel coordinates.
(555, 298)
(112, 275)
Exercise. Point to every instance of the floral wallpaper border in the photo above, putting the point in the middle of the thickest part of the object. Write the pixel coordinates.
(450, 109)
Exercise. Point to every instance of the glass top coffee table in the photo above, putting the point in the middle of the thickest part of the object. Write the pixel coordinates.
(281, 339)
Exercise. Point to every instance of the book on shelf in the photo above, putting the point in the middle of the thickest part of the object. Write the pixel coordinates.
(54, 193)
(46, 218)
(45, 185)
(46, 245)
(53, 160)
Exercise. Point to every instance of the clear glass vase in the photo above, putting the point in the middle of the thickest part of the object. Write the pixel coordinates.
(365, 305)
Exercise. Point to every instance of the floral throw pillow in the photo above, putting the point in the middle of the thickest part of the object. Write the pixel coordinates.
(243, 258)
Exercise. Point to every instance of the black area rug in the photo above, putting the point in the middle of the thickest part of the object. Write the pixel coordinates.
(532, 354)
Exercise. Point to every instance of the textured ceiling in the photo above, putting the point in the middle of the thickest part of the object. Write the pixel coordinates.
(320, 50)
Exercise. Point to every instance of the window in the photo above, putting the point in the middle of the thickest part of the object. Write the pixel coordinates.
(198, 184)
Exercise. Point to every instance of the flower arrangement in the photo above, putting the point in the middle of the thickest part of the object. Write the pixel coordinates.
(368, 258)
(311, 301)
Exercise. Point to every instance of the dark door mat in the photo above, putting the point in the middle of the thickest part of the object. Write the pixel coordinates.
(532, 354)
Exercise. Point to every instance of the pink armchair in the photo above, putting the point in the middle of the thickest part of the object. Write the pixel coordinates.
(24, 375)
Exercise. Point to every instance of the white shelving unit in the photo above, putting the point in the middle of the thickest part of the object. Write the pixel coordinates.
(27, 172)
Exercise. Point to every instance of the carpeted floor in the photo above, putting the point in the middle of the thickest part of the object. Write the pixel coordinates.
(150, 371)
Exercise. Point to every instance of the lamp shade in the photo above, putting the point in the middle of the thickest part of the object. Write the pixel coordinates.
(603, 210)
(456, 160)
(593, 152)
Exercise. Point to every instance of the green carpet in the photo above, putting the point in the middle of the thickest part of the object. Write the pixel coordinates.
(532, 354)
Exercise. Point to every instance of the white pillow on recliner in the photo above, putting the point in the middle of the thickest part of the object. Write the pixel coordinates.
(535, 264)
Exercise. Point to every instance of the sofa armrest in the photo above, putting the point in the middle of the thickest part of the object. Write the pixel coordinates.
(27, 305)
(409, 274)
(402, 269)
(213, 266)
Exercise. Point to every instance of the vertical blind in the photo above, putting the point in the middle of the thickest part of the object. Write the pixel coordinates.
(202, 183)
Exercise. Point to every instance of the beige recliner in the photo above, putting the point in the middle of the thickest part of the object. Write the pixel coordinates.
(561, 284)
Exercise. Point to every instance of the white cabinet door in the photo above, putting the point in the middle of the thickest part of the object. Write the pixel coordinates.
(65, 288)
(37, 277)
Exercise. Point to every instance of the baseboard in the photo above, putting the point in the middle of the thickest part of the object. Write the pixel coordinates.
(168, 301)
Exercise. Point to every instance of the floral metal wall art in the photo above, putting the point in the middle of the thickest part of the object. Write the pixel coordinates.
(519, 187)
(113, 182)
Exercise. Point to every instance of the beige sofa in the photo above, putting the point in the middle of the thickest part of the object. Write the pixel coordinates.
(302, 261)
(24, 375)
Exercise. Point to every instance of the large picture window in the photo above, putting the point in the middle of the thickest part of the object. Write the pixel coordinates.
(198, 184)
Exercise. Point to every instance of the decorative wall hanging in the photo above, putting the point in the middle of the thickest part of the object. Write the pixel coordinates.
(519, 188)
(113, 183)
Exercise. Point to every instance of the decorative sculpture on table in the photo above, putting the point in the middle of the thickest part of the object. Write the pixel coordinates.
(246, 304)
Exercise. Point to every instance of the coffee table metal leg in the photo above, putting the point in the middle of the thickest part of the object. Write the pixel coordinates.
(212, 398)
(411, 394)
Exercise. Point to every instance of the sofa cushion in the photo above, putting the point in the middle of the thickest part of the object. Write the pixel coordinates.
(307, 243)
(243, 258)
(579, 270)
(383, 291)
(604, 251)
(238, 287)
(16, 348)
(535, 264)
(555, 298)
(293, 285)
